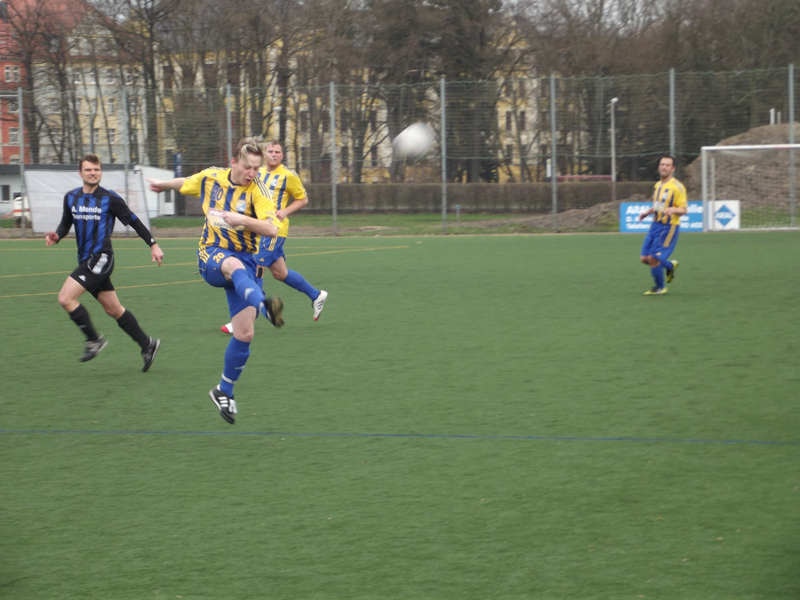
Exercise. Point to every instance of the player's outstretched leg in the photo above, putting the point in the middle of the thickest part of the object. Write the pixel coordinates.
(295, 280)
(94, 341)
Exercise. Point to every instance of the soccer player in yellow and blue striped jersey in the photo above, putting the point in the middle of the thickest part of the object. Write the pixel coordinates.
(239, 211)
(669, 203)
(289, 196)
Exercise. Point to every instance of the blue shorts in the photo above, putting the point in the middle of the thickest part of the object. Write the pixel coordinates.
(209, 261)
(660, 241)
(270, 250)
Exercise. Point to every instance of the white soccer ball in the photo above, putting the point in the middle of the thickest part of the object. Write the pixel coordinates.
(414, 141)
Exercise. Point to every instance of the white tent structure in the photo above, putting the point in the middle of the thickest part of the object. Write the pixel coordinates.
(46, 188)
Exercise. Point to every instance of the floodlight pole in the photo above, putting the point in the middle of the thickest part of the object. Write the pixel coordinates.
(334, 168)
(230, 122)
(553, 161)
(444, 156)
(613, 103)
(792, 186)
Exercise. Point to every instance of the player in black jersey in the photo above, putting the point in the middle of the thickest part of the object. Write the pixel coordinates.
(93, 209)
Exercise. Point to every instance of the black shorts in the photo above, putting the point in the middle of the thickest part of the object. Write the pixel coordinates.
(94, 274)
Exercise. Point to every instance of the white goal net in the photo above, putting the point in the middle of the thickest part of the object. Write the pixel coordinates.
(751, 187)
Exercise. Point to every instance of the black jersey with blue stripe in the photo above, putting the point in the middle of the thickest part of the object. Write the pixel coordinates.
(93, 216)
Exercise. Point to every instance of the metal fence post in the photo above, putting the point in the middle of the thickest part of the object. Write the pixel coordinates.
(704, 184)
(792, 187)
(553, 161)
(229, 121)
(672, 112)
(613, 151)
(444, 155)
(126, 153)
(334, 169)
(24, 197)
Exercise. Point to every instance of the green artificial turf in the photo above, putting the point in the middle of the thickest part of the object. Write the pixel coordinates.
(471, 417)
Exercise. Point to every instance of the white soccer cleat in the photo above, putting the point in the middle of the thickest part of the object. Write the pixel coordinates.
(319, 303)
(227, 328)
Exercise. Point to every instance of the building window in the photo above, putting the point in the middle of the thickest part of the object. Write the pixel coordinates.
(522, 120)
(303, 157)
(522, 89)
(344, 120)
(77, 105)
(13, 135)
(13, 106)
(510, 154)
(11, 73)
(374, 156)
(112, 106)
(112, 136)
(95, 136)
(109, 77)
(303, 121)
(76, 75)
(509, 120)
(13, 159)
(345, 154)
(6, 193)
(90, 77)
(133, 105)
(373, 121)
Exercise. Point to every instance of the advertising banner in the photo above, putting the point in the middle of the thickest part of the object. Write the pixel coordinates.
(629, 217)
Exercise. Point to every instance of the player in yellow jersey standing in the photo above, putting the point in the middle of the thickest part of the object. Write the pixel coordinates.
(289, 196)
(669, 203)
(239, 211)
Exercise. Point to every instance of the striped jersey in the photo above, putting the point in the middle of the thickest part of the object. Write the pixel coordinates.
(668, 195)
(285, 187)
(217, 195)
(93, 216)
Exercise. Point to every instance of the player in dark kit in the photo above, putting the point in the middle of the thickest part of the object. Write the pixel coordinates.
(92, 209)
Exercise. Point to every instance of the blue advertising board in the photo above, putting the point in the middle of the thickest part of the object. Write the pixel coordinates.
(629, 217)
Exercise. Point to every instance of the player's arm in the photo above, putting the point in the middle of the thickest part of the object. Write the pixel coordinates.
(261, 227)
(161, 185)
(292, 208)
(53, 237)
(123, 212)
(647, 213)
(680, 206)
(298, 195)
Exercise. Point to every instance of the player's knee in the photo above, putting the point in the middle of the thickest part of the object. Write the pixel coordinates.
(280, 276)
(67, 302)
(244, 336)
(645, 259)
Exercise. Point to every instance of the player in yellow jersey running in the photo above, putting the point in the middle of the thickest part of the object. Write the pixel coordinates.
(669, 203)
(289, 196)
(239, 211)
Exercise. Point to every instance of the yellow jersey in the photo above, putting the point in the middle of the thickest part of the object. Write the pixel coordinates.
(285, 187)
(668, 195)
(218, 193)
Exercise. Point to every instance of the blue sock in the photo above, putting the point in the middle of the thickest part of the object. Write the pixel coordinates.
(236, 355)
(295, 280)
(667, 264)
(247, 289)
(658, 275)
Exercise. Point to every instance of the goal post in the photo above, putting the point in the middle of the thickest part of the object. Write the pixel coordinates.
(752, 186)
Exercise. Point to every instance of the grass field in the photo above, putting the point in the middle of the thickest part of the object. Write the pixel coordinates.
(471, 417)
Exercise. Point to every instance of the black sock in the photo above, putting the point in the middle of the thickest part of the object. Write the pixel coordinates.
(131, 326)
(80, 316)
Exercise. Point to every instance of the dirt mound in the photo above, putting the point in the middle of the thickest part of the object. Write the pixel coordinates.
(757, 178)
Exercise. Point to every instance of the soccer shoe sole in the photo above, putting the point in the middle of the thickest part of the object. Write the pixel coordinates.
(222, 411)
(671, 273)
(276, 310)
(149, 363)
(88, 357)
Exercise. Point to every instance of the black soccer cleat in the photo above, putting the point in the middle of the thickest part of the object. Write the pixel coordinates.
(272, 309)
(149, 353)
(671, 272)
(93, 348)
(226, 404)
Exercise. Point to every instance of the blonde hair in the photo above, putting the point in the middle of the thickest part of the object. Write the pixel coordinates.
(248, 145)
